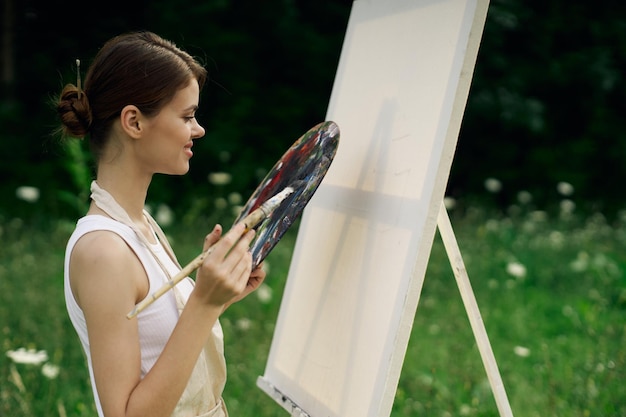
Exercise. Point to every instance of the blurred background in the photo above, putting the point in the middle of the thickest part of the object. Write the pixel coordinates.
(535, 196)
(543, 121)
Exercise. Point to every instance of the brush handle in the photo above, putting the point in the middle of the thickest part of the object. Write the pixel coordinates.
(250, 221)
(183, 273)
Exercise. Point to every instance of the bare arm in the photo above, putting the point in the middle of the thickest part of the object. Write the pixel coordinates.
(108, 280)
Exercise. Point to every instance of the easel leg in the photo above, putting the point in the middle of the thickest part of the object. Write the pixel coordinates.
(478, 327)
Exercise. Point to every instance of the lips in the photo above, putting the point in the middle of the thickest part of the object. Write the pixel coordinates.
(187, 149)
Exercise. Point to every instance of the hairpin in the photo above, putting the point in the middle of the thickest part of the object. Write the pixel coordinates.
(78, 78)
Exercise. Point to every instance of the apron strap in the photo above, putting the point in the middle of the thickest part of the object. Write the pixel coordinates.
(107, 203)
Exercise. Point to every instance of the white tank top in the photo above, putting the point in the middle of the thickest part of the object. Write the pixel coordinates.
(157, 321)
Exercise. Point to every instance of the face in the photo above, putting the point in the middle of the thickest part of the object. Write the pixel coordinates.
(165, 146)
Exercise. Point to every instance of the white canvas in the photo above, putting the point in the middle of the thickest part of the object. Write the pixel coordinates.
(365, 237)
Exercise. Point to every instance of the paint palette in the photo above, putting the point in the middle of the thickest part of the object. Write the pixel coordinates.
(302, 167)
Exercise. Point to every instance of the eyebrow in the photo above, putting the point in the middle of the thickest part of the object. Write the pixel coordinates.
(193, 107)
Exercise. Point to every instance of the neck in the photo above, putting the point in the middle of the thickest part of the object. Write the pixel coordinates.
(129, 191)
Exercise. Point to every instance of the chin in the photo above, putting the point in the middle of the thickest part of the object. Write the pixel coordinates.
(179, 171)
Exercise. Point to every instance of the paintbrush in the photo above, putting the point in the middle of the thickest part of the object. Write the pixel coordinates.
(250, 221)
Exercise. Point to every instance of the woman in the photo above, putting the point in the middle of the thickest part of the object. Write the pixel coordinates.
(138, 109)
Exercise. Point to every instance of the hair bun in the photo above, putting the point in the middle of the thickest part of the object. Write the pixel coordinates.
(74, 110)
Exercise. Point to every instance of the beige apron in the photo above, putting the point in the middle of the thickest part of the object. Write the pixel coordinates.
(203, 395)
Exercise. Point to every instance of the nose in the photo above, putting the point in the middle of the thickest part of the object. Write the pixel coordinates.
(197, 131)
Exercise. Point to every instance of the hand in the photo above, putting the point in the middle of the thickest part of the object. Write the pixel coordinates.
(256, 279)
(254, 282)
(226, 271)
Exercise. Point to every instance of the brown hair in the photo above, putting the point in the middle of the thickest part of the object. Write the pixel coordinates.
(138, 68)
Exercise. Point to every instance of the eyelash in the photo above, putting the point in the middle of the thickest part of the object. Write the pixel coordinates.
(189, 118)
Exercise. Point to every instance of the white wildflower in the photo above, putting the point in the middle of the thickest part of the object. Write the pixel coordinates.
(567, 206)
(234, 198)
(565, 188)
(592, 388)
(236, 210)
(524, 197)
(538, 216)
(220, 178)
(521, 351)
(492, 225)
(244, 323)
(568, 311)
(581, 263)
(27, 193)
(164, 215)
(493, 185)
(30, 356)
(516, 269)
(266, 267)
(264, 293)
(50, 371)
(221, 203)
(449, 203)
(556, 239)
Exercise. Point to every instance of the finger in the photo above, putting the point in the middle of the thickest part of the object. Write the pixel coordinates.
(212, 237)
(241, 271)
(258, 273)
(229, 240)
(242, 246)
(259, 267)
(240, 252)
(255, 282)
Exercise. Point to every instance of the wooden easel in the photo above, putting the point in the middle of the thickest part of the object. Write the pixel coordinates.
(365, 238)
(471, 307)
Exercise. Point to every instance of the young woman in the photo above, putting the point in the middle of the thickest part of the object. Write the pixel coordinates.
(138, 110)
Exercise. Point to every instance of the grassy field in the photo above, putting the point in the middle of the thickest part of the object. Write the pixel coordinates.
(551, 290)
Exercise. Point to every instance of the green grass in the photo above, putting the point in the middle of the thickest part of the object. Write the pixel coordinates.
(558, 330)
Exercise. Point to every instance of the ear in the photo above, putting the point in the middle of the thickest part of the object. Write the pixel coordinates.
(130, 118)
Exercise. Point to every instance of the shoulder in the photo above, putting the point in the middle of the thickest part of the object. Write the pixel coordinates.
(102, 264)
(101, 247)
(97, 223)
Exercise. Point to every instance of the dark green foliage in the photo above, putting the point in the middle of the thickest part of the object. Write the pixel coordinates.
(271, 68)
(546, 102)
